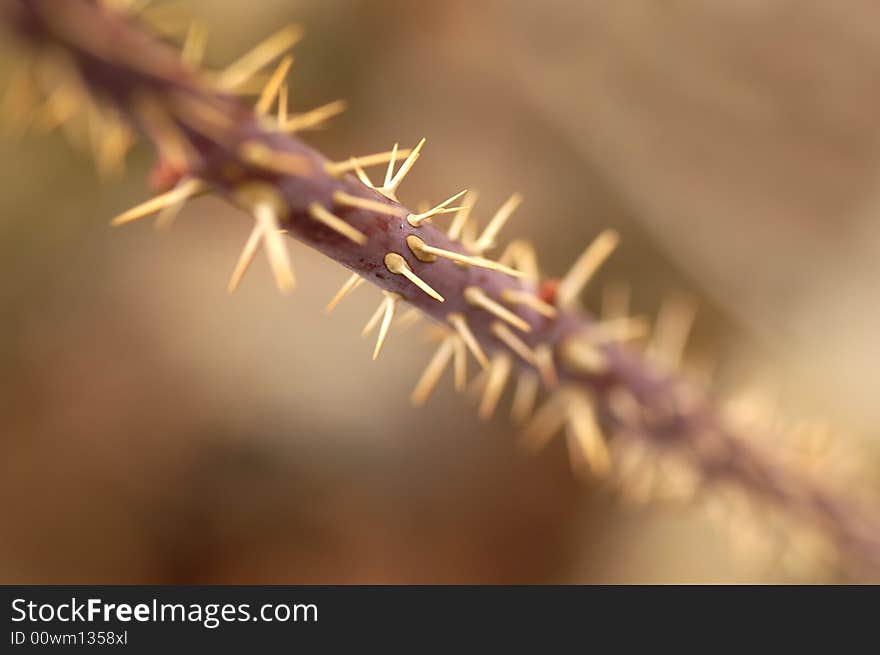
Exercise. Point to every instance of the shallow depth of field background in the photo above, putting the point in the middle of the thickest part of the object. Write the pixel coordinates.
(155, 430)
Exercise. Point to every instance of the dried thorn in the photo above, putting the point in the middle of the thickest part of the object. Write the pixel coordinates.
(350, 285)
(459, 322)
(585, 267)
(443, 208)
(347, 200)
(487, 239)
(321, 214)
(499, 372)
(477, 297)
(273, 86)
(181, 192)
(529, 299)
(260, 56)
(433, 372)
(397, 265)
(580, 355)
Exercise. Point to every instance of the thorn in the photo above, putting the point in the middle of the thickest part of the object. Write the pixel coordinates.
(520, 254)
(587, 435)
(313, 118)
(580, 355)
(549, 418)
(361, 175)
(426, 253)
(443, 208)
(546, 365)
(460, 368)
(180, 192)
(347, 200)
(273, 86)
(461, 218)
(319, 213)
(262, 156)
(459, 322)
(625, 328)
(389, 187)
(193, 50)
(673, 326)
(411, 317)
(389, 171)
(397, 265)
(168, 214)
(170, 140)
(527, 298)
(509, 339)
(499, 372)
(251, 246)
(524, 397)
(487, 239)
(350, 285)
(249, 64)
(337, 168)
(282, 103)
(477, 297)
(433, 372)
(585, 267)
(276, 251)
(386, 313)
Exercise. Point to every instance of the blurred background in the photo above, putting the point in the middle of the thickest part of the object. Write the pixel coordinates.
(156, 430)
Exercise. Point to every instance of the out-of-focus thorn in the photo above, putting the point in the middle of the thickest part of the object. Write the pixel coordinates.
(172, 143)
(529, 299)
(412, 316)
(588, 450)
(260, 56)
(167, 215)
(671, 330)
(460, 364)
(433, 372)
(337, 168)
(279, 260)
(517, 345)
(463, 215)
(443, 208)
(520, 254)
(193, 50)
(61, 105)
(273, 86)
(262, 156)
(615, 300)
(580, 355)
(181, 192)
(344, 199)
(546, 365)
(549, 418)
(625, 328)
(283, 94)
(486, 240)
(385, 312)
(350, 285)
(585, 267)
(321, 214)
(395, 263)
(313, 118)
(459, 322)
(499, 372)
(248, 253)
(477, 297)
(170, 19)
(19, 100)
(524, 397)
(393, 180)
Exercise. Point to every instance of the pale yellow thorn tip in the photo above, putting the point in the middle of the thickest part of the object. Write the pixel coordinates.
(499, 372)
(443, 208)
(390, 186)
(459, 322)
(276, 251)
(433, 372)
(246, 66)
(427, 253)
(585, 429)
(517, 345)
(178, 193)
(477, 297)
(321, 214)
(273, 86)
(397, 265)
(390, 304)
(339, 167)
(350, 285)
(585, 267)
(251, 246)
(487, 239)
